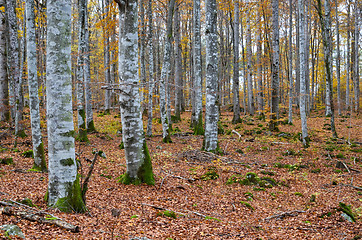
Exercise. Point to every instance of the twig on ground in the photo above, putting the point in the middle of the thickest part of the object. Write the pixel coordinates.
(239, 135)
(350, 185)
(285, 214)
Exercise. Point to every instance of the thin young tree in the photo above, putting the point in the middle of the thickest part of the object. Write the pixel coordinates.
(290, 63)
(275, 68)
(212, 111)
(236, 98)
(251, 108)
(178, 65)
(64, 190)
(338, 62)
(356, 51)
(38, 147)
(151, 69)
(4, 82)
(164, 73)
(197, 118)
(139, 166)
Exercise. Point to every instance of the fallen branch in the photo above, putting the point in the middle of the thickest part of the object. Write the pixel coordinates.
(239, 135)
(11, 211)
(86, 180)
(285, 214)
(350, 185)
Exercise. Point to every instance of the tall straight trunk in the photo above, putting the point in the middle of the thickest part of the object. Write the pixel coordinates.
(139, 166)
(275, 67)
(307, 47)
(142, 45)
(326, 22)
(338, 62)
(82, 130)
(38, 147)
(236, 101)
(151, 69)
(298, 64)
(63, 189)
(356, 84)
(197, 118)
(87, 74)
(164, 73)
(107, 68)
(249, 69)
(178, 65)
(303, 93)
(212, 113)
(4, 81)
(14, 66)
(260, 95)
(290, 62)
(244, 68)
(348, 60)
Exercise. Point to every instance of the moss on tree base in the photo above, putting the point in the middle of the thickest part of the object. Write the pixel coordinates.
(91, 128)
(144, 174)
(199, 127)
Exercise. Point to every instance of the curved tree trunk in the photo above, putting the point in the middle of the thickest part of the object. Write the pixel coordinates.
(63, 189)
(38, 148)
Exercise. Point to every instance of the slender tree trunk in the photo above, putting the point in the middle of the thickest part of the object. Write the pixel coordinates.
(151, 69)
(259, 67)
(275, 67)
(249, 69)
(338, 60)
(236, 101)
(164, 73)
(297, 70)
(64, 189)
(139, 166)
(212, 113)
(4, 81)
(82, 130)
(303, 93)
(197, 118)
(142, 45)
(107, 69)
(356, 84)
(38, 148)
(348, 60)
(178, 66)
(290, 61)
(244, 68)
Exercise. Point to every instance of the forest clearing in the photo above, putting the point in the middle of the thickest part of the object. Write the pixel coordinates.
(301, 200)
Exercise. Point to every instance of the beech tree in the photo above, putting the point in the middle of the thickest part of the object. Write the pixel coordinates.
(139, 166)
(212, 111)
(38, 147)
(236, 100)
(64, 190)
(151, 69)
(4, 81)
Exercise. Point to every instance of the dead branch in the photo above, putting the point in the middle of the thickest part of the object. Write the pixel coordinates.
(86, 180)
(352, 186)
(285, 214)
(239, 135)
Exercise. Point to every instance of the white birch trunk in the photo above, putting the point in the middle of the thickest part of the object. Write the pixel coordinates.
(142, 53)
(164, 72)
(139, 167)
(197, 118)
(275, 67)
(4, 81)
(249, 69)
(303, 93)
(151, 69)
(236, 99)
(212, 113)
(63, 190)
(38, 148)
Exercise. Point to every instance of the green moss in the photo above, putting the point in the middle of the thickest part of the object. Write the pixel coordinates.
(144, 174)
(267, 173)
(248, 205)
(69, 134)
(21, 134)
(298, 194)
(317, 170)
(73, 202)
(67, 162)
(210, 175)
(258, 189)
(121, 146)
(82, 134)
(199, 127)
(347, 209)
(170, 214)
(27, 202)
(220, 128)
(28, 154)
(91, 128)
(270, 180)
(40, 154)
(6, 161)
(167, 139)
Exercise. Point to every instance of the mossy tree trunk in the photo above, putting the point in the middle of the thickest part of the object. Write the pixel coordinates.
(139, 166)
(64, 190)
(38, 148)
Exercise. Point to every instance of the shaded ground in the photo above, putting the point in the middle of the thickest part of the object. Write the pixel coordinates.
(207, 208)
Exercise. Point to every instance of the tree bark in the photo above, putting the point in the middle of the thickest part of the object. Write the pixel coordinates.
(4, 80)
(249, 69)
(178, 66)
(356, 84)
(236, 99)
(63, 189)
(290, 62)
(212, 113)
(338, 62)
(151, 69)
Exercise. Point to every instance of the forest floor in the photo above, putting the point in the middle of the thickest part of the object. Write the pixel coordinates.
(296, 194)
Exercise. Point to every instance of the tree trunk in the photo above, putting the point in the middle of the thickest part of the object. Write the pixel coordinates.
(275, 67)
(142, 45)
(151, 69)
(249, 69)
(348, 60)
(356, 57)
(290, 61)
(139, 166)
(236, 101)
(178, 66)
(64, 189)
(259, 71)
(107, 69)
(38, 148)
(338, 60)
(303, 93)
(212, 113)
(4, 82)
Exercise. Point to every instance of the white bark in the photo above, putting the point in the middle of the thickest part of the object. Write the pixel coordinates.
(38, 150)
(303, 93)
(197, 64)
(348, 60)
(260, 95)
(151, 69)
(164, 72)
(107, 66)
(356, 84)
(87, 73)
(212, 113)
(249, 69)
(4, 81)
(178, 65)
(236, 99)
(290, 60)
(61, 150)
(338, 62)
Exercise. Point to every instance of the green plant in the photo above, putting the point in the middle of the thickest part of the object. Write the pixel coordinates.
(167, 213)
(298, 194)
(317, 170)
(347, 209)
(210, 175)
(248, 205)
